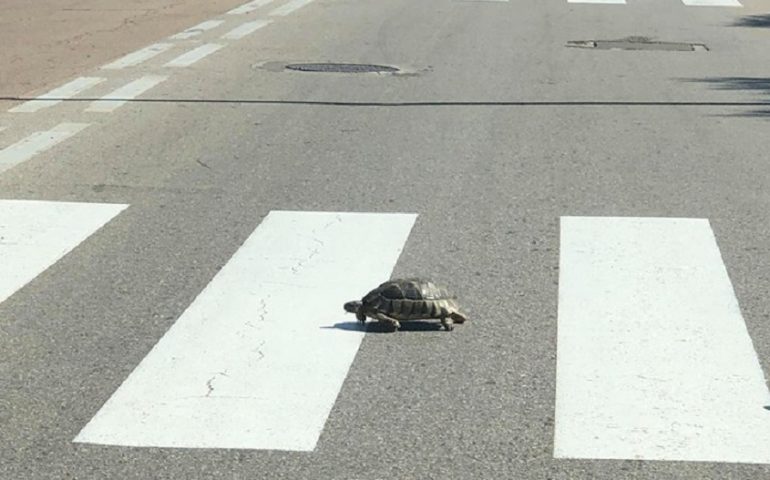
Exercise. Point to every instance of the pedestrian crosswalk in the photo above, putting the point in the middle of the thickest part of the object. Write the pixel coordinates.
(654, 361)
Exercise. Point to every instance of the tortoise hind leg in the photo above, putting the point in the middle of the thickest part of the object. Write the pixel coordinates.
(458, 317)
(389, 320)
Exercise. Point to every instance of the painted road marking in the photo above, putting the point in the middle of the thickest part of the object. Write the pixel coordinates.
(36, 143)
(35, 235)
(189, 58)
(254, 362)
(245, 29)
(712, 3)
(613, 2)
(139, 56)
(117, 98)
(249, 7)
(197, 29)
(654, 361)
(289, 7)
(56, 95)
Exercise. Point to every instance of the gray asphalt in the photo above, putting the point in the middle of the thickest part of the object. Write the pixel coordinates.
(550, 131)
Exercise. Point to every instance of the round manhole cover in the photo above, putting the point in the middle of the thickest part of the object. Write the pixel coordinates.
(340, 68)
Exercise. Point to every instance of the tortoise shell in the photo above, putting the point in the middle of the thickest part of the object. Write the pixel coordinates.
(410, 299)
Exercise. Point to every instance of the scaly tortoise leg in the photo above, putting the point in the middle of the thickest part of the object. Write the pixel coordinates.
(447, 322)
(390, 321)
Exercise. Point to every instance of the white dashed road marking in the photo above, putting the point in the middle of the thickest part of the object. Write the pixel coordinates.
(197, 30)
(36, 143)
(249, 7)
(35, 235)
(245, 29)
(654, 361)
(289, 7)
(56, 95)
(712, 3)
(256, 362)
(194, 55)
(117, 98)
(613, 2)
(139, 56)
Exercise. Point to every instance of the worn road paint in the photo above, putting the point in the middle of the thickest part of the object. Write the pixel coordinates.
(36, 143)
(56, 95)
(197, 29)
(255, 362)
(612, 2)
(249, 7)
(289, 7)
(194, 55)
(712, 3)
(128, 92)
(245, 29)
(139, 56)
(34, 235)
(654, 361)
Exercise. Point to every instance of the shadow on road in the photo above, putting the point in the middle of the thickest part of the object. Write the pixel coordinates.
(756, 84)
(377, 327)
(756, 21)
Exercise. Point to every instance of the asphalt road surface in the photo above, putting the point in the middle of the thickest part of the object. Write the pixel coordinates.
(182, 218)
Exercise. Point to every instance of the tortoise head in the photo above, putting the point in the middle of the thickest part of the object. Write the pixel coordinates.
(356, 307)
(353, 307)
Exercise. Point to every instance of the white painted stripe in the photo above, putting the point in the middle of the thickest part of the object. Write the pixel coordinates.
(56, 95)
(139, 56)
(35, 235)
(613, 2)
(654, 361)
(187, 59)
(255, 362)
(36, 143)
(245, 29)
(712, 3)
(119, 97)
(197, 29)
(249, 7)
(289, 7)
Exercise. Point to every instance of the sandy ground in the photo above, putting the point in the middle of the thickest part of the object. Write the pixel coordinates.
(47, 41)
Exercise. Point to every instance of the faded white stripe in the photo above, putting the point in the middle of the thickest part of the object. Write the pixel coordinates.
(197, 30)
(194, 55)
(712, 3)
(245, 29)
(256, 361)
(614, 2)
(56, 95)
(249, 7)
(37, 143)
(119, 97)
(654, 361)
(139, 56)
(34, 235)
(289, 7)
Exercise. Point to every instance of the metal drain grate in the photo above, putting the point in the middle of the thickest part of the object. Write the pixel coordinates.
(638, 43)
(341, 68)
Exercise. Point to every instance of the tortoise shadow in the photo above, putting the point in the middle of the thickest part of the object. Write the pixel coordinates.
(379, 327)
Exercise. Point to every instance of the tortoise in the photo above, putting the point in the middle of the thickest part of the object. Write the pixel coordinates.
(404, 299)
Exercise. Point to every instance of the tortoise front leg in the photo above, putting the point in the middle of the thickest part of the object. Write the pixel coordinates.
(389, 320)
(447, 322)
